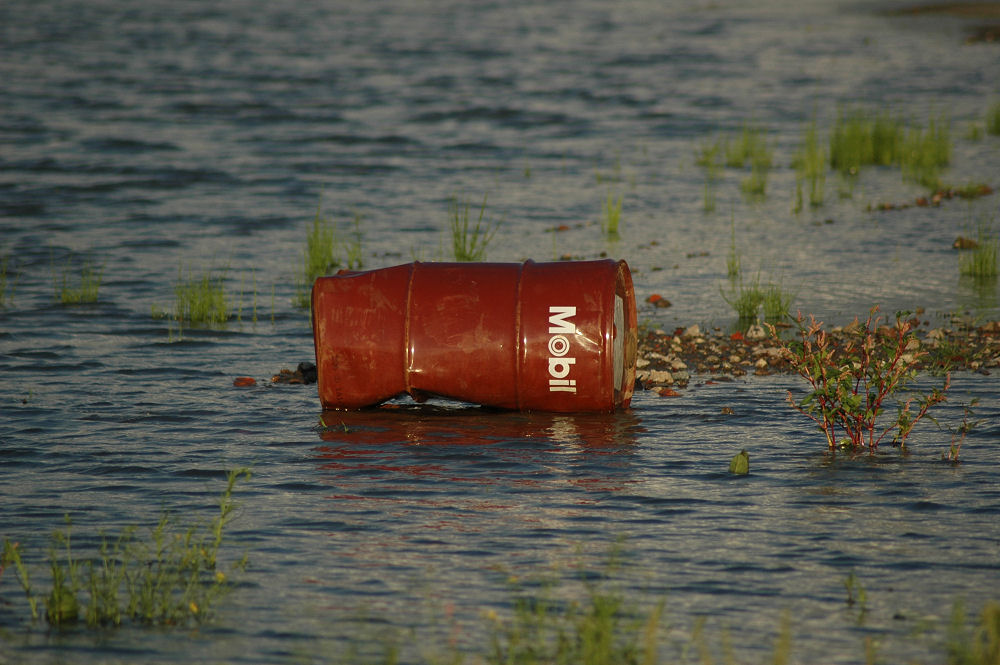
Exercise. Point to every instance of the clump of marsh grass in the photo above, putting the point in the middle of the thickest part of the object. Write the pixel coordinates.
(75, 291)
(174, 578)
(468, 242)
(859, 139)
(597, 627)
(976, 645)
(751, 146)
(733, 259)
(318, 257)
(708, 158)
(612, 209)
(925, 152)
(980, 262)
(993, 119)
(200, 300)
(748, 299)
(810, 168)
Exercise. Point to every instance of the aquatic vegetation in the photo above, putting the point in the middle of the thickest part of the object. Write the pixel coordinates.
(751, 146)
(924, 152)
(82, 290)
(171, 579)
(598, 628)
(776, 302)
(733, 259)
(708, 158)
(993, 119)
(469, 244)
(352, 246)
(200, 300)
(318, 257)
(850, 383)
(978, 645)
(747, 300)
(810, 167)
(612, 209)
(980, 262)
(860, 139)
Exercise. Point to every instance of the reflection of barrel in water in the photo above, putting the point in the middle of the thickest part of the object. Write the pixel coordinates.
(476, 426)
(533, 337)
(592, 450)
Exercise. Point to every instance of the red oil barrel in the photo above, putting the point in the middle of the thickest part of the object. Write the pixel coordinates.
(528, 336)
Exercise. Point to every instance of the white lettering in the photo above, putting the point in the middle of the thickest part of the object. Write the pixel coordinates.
(557, 321)
(559, 345)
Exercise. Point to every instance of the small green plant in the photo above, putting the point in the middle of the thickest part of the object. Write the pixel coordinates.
(733, 259)
(959, 433)
(859, 139)
(80, 291)
(810, 168)
(173, 579)
(980, 262)
(925, 152)
(469, 244)
(708, 158)
(352, 247)
(856, 595)
(851, 378)
(993, 119)
(776, 302)
(612, 215)
(200, 300)
(745, 299)
(600, 629)
(318, 257)
(750, 145)
(979, 645)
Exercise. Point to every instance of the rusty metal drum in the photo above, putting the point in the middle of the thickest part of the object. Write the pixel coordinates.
(529, 336)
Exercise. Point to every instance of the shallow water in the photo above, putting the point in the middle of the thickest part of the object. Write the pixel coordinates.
(184, 137)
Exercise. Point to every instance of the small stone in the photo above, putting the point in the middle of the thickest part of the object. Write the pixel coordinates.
(761, 363)
(659, 377)
(692, 331)
(755, 333)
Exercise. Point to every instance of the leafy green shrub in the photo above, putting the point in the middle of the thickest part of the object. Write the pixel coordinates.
(851, 378)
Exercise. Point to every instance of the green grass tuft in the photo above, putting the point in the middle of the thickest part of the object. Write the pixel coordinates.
(318, 257)
(981, 261)
(200, 300)
(469, 244)
(612, 209)
(810, 168)
(993, 119)
(82, 290)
